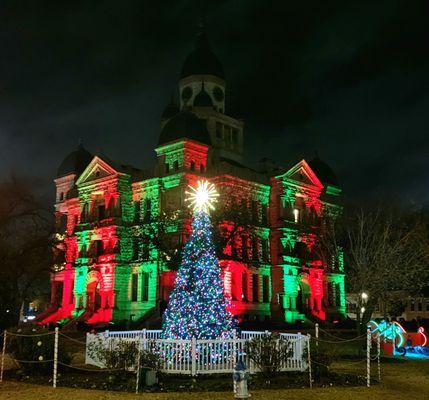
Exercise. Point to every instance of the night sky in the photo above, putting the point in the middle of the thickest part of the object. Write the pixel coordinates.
(348, 79)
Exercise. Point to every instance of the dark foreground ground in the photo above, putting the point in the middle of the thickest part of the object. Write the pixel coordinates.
(400, 380)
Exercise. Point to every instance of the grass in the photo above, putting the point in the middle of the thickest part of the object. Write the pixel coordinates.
(400, 379)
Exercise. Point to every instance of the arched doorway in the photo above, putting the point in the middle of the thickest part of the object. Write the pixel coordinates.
(303, 297)
(93, 297)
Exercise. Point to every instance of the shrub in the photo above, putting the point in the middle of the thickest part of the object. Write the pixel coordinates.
(268, 353)
(35, 348)
(122, 355)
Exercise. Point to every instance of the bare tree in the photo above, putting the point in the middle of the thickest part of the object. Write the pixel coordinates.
(25, 248)
(387, 253)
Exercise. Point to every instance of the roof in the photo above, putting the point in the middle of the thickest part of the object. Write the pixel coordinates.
(184, 125)
(202, 61)
(75, 162)
(203, 99)
(323, 171)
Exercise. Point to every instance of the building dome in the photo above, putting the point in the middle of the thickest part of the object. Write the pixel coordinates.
(184, 125)
(75, 162)
(323, 171)
(202, 61)
(203, 99)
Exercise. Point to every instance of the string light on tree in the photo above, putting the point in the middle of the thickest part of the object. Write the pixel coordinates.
(198, 307)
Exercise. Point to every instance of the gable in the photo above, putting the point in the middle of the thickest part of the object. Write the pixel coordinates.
(302, 173)
(97, 169)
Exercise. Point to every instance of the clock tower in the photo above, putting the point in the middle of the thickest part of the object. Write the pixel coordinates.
(202, 92)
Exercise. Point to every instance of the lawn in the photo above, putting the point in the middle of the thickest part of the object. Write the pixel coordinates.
(405, 379)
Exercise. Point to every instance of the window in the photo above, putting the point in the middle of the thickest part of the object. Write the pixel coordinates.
(192, 165)
(255, 288)
(145, 287)
(167, 168)
(235, 138)
(202, 168)
(266, 289)
(218, 130)
(148, 210)
(296, 215)
(255, 249)
(83, 251)
(244, 295)
(264, 245)
(136, 249)
(420, 305)
(61, 196)
(84, 216)
(244, 249)
(137, 210)
(99, 247)
(227, 136)
(176, 165)
(101, 211)
(134, 286)
(255, 216)
(264, 214)
(145, 251)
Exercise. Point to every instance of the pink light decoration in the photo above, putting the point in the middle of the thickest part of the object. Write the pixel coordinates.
(421, 330)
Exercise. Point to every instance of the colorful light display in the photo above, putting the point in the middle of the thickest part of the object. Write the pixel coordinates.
(397, 341)
(198, 307)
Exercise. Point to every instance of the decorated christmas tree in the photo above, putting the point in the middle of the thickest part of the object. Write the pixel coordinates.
(198, 307)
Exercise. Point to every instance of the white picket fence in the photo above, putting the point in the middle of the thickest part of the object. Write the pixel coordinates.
(193, 357)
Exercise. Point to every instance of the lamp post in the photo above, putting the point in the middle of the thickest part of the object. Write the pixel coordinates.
(363, 301)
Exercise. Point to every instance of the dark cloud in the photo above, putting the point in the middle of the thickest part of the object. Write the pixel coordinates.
(348, 79)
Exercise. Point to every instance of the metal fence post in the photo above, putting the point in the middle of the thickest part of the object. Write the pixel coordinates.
(368, 357)
(138, 364)
(193, 356)
(378, 357)
(316, 333)
(3, 355)
(234, 348)
(309, 360)
(54, 380)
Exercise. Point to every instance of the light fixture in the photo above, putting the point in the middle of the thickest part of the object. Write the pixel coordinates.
(203, 197)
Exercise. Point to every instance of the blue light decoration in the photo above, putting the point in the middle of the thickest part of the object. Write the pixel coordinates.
(392, 331)
(402, 341)
(198, 307)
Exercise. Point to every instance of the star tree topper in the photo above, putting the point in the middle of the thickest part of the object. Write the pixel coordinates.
(203, 197)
